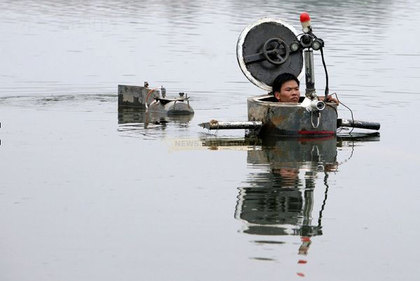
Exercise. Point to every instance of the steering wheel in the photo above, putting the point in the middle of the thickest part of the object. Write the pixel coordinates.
(276, 51)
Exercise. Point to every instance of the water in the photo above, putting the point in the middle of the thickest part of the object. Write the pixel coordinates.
(87, 194)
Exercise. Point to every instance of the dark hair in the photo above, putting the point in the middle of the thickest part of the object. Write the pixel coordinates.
(281, 79)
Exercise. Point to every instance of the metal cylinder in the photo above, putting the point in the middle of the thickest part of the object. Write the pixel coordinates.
(358, 124)
(309, 73)
(317, 105)
(216, 125)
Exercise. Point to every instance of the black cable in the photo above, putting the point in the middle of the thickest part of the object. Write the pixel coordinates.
(351, 111)
(326, 74)
(325, 198)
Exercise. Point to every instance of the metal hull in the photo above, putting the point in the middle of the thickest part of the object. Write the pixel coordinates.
(171, 107)
(136, 96)
(288, 119)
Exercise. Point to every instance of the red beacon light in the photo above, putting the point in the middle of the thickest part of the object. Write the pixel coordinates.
(305, 20)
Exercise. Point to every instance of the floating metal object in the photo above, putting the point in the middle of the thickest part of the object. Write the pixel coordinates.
(285, 119)
(267, 49)
(153, 100)
(136, 96)
(289, 119)
(176, 106)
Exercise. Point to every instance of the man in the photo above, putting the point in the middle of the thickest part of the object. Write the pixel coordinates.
(286, 89)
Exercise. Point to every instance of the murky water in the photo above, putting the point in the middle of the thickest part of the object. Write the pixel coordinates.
(87, 193)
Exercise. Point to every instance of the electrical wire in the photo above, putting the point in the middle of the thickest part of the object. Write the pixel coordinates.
(351, 111)
(326, 74)
(327, 89)
(327, 83)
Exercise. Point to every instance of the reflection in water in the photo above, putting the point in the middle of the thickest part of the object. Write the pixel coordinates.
(287, 194)
(131, 115)
(223, 143)
(135, 122)
(280, 199)
(135, 115)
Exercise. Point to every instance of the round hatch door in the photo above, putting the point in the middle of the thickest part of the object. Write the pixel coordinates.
(263, 52)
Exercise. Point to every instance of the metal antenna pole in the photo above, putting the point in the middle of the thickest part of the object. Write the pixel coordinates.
(309, 74)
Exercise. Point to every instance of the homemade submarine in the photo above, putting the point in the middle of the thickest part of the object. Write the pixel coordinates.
(268, 48)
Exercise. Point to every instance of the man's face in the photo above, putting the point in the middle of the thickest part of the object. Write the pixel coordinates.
(289, 92)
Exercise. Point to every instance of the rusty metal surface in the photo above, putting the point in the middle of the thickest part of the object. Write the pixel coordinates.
(136, 96)
(264, 39)
(286, 119)
(218, 125)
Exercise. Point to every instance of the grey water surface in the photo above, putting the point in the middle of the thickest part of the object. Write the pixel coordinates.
(89, 193)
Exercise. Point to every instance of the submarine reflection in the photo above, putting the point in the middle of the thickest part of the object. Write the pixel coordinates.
(279, 199)
(286, 193)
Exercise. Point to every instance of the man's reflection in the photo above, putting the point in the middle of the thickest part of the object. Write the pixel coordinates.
(287, 173)
(279, 198)
(286, 192)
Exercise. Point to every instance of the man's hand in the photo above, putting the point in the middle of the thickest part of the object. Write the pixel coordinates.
(330, 98)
